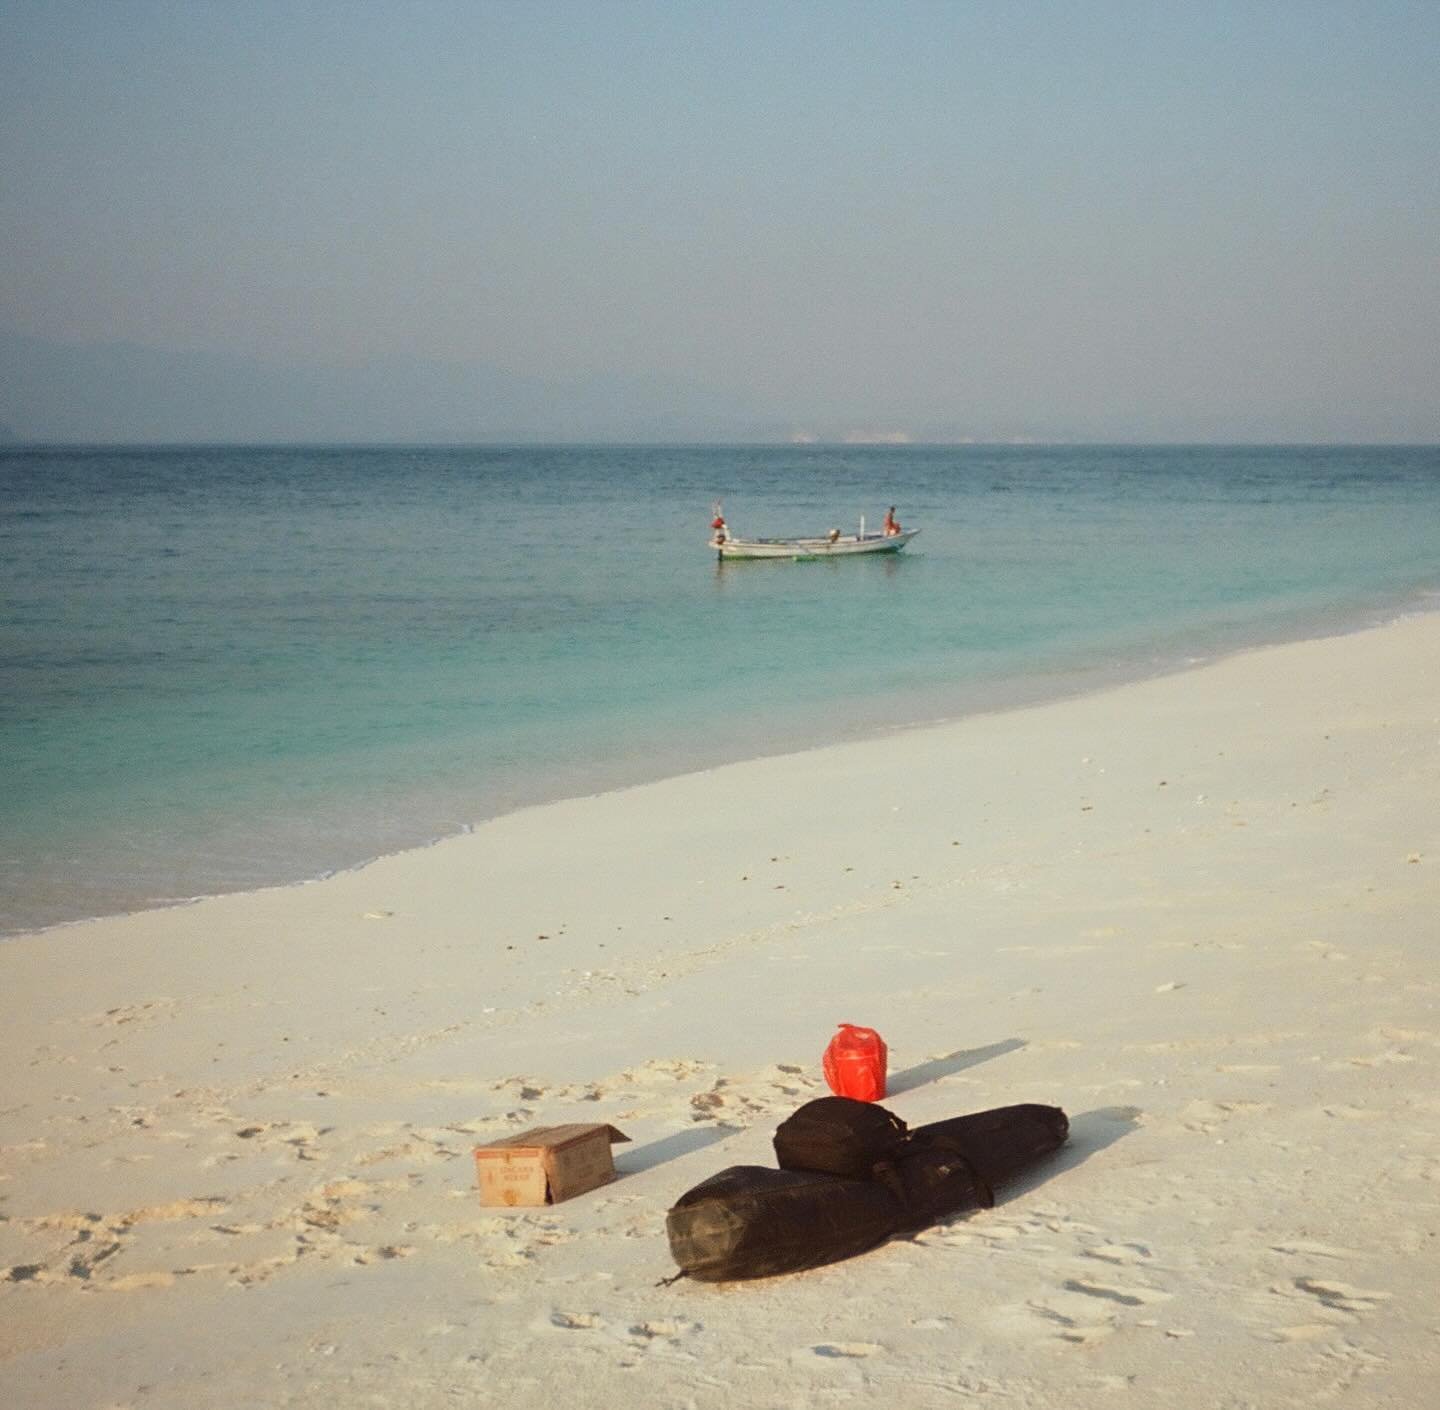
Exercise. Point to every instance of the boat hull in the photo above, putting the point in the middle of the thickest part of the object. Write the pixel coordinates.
(847, 546)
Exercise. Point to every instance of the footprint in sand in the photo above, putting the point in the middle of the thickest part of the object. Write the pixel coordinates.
(1307, 1248)
(964, 1234)
(52, 1248)
(1343, 1297)
(91, 1254)
(1118, 1253)
(1303, 1331)
(1203, 1116)
(946, 1237)
(576, 1321)
(1419, 1167)
(1083, 1329)
(1127, 1295)
(94, 1240)
(634, 1084)
(23, 1273)
(418, 1147)
(146, 1011)
(514, 1258)
(1342, 1300)
(176, 1209)
(663, 1069)
(665, 1333)
(1405, 1035)
(133, 1282)
(1345, 1112)
(332, 1207)
(383, 1253)
(1382, 1059)
(1087, 1310)
(760, 1094)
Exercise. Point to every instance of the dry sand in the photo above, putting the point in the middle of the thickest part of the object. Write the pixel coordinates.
(1199, 913)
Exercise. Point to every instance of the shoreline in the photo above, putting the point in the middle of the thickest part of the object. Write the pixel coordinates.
(1051, 685)
(1196, 912)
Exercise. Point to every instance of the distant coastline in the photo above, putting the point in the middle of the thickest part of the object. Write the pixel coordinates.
(11, 440)
(128, 394)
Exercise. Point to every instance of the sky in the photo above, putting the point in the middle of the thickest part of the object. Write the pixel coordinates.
(1103, 220)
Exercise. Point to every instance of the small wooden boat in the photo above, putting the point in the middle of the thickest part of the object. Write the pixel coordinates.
(838, 546)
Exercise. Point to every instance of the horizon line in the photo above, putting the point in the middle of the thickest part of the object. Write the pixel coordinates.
(540, 443)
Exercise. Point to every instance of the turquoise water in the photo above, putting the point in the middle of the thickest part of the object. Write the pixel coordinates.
(222, 668)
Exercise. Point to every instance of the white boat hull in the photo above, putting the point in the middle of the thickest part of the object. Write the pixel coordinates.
(843, 547)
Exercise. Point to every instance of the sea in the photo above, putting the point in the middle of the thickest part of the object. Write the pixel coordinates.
(225, 668)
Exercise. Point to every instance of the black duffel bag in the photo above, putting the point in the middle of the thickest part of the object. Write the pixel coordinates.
(839, 1136)
(937, 1170)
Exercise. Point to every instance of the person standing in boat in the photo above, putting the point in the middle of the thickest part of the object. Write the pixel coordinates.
(892, 524)
(721, 529)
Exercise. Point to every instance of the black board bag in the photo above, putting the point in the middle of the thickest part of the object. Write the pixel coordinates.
(751, 1222)
(874, 1180)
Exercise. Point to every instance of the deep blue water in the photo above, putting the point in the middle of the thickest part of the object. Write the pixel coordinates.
(221, 668)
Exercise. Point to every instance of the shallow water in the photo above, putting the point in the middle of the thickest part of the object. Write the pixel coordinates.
(222, 668)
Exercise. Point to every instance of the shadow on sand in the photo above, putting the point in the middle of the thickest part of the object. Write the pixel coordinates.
(1090, 1133)
(632, 1160)
(671, 1147)
(947, 1066)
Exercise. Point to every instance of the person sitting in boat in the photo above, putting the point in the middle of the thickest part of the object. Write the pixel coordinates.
(722, 531)
(892, 524)
(833, 535)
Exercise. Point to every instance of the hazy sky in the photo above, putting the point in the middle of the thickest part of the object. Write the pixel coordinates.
(1143, 220)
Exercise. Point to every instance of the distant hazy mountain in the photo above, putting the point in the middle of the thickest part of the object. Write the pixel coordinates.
(106, 392)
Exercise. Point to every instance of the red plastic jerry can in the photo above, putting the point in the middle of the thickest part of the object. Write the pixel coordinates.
(855, 1063)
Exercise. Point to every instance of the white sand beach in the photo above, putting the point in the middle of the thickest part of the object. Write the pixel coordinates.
(1200, 913)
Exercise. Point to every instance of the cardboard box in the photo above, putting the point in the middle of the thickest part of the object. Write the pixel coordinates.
(546, 1164)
